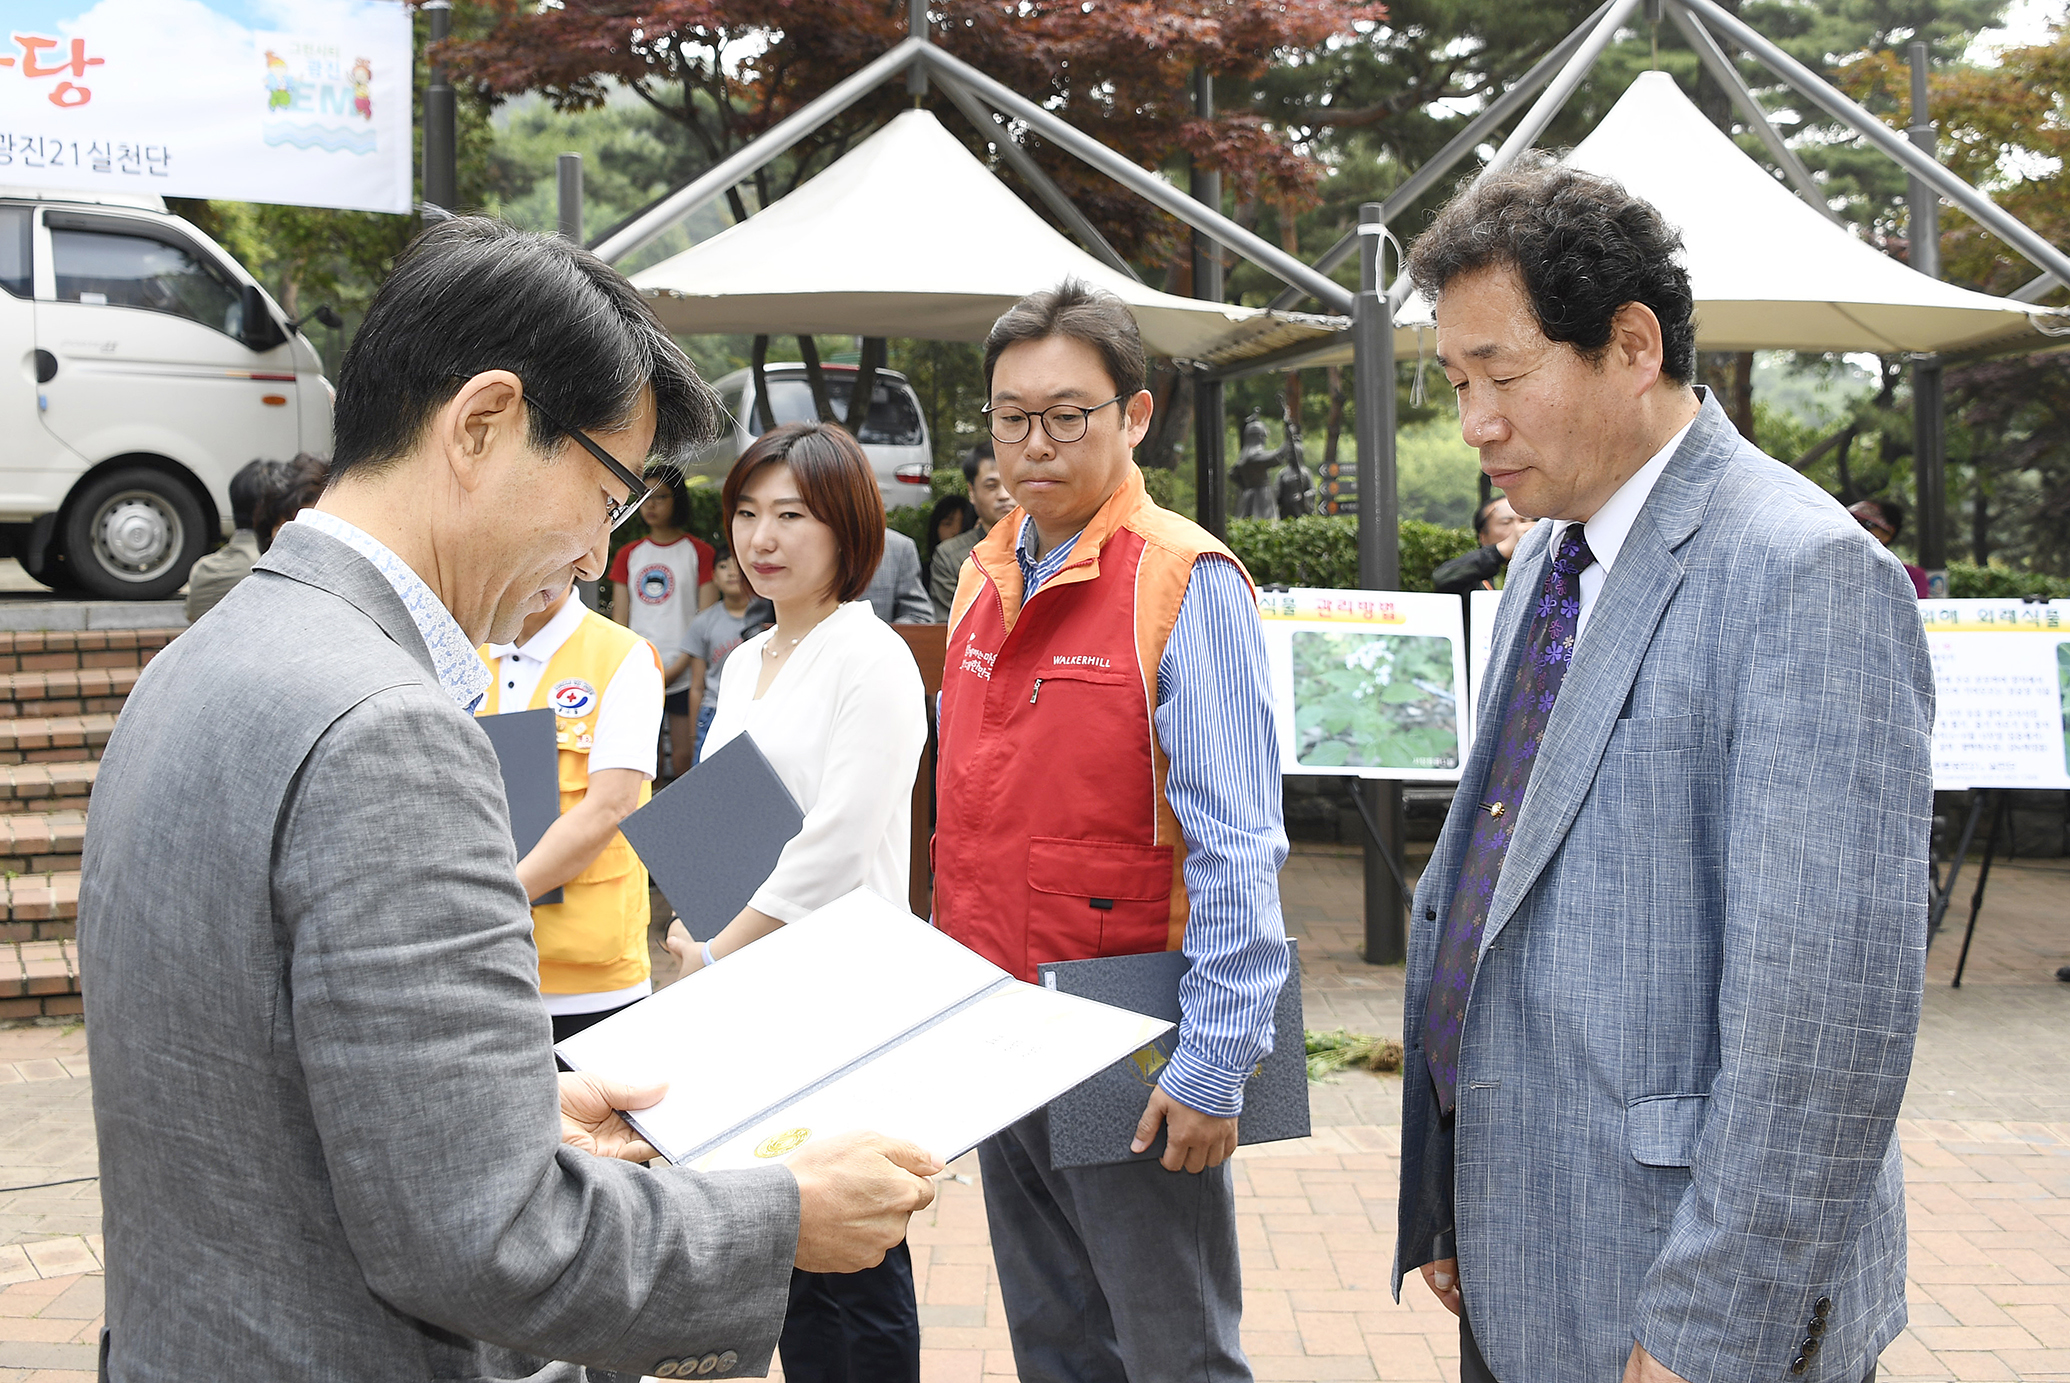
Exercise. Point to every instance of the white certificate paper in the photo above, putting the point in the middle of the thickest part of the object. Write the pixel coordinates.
(860, 1016)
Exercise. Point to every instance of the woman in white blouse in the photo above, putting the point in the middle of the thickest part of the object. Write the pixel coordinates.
(833, 699)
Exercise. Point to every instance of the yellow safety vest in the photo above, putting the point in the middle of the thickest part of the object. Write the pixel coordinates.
(595, 939)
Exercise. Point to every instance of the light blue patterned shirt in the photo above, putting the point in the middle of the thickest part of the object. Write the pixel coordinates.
(462, 674)
(1214, 720)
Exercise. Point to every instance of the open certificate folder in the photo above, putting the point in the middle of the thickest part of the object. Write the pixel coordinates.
(861, 1016)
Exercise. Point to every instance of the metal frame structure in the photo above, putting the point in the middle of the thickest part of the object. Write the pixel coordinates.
(995, 109)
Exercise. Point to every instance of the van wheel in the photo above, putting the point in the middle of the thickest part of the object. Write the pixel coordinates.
(132, 534)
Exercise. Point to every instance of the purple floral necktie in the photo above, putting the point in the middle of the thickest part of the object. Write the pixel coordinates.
(1547, 652)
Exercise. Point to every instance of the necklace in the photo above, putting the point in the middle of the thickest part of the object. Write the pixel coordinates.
(772, 652)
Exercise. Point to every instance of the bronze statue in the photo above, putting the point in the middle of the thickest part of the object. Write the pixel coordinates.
(1261, 494)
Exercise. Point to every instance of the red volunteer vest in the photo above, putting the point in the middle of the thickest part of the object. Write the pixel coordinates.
(1053, 838)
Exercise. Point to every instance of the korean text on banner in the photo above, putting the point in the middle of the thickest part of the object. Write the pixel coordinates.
(1368, 684)
(2001, 671)
(306, 102)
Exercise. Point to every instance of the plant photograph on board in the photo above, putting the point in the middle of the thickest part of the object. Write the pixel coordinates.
(1374, 701)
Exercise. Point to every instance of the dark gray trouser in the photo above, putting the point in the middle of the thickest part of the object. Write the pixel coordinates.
(1121, 1274)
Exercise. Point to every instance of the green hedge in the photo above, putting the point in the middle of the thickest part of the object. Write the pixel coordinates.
(1322, 550)
(1969, 582)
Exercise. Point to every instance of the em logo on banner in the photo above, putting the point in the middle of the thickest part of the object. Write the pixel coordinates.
(305, 102)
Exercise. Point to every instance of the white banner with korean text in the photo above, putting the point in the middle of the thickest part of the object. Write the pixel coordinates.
(1368, 684)
(304, 102)
(2001, 671)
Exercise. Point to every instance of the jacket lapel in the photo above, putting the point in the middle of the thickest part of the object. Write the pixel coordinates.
(316, 559)
(1620, 631)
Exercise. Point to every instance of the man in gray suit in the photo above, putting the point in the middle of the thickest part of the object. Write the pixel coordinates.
(333, 1146)
(895, 592)
(1665, 969)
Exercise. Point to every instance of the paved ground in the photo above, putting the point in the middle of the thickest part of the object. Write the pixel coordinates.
(1986, 1134)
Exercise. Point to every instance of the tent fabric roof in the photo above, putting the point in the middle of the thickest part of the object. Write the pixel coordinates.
(1769, 272)
(910, 235)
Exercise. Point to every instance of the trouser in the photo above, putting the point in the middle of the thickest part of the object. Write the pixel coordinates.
(854, 1327)
(1474, 1369)
(1118, 1274)
(566, 1025)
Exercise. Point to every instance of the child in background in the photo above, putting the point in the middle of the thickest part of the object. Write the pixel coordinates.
(658, 583)
(716, 631)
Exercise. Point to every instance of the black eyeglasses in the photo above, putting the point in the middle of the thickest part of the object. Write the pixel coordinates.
(637, 488)
(1063, 422)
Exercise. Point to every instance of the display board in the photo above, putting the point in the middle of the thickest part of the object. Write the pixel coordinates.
(2001, 671)
(1480, 636)
(305, 102)
(1369, 684)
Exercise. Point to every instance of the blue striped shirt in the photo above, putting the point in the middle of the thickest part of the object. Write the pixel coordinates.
(1214, 721)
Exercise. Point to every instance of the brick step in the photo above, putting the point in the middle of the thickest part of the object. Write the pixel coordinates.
(39, 978)
(47, 787)
(38, 907)
(54, 739)
(83, 646)
(41, 842)
(59, 692)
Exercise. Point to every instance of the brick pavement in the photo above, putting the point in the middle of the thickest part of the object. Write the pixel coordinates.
(1986, 1134)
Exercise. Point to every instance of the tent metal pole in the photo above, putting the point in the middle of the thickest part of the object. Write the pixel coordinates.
(1542, 112)
(1461, 144)
(1929, 414)
(1210, 398)
(1723, 71)
(742, 163)
(1379, 569)
(1562, 86)
(1023, 163)
(916, 29)
(1808, 84)
(2035, 289)
(1141, 181)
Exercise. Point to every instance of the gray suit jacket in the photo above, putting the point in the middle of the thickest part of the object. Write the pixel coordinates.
(895, 591)
(945, 570)
(323, 1086)
(1692, 1022)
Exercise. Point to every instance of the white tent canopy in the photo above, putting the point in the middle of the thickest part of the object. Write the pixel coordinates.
(1769, 272)
(909, 235)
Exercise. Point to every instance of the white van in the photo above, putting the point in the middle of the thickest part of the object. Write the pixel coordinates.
(894, 435)
(150, 368)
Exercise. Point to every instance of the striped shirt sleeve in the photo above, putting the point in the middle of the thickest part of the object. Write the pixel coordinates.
(1215, 722)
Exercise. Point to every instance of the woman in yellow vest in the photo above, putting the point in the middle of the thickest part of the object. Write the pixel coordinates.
(604, 684)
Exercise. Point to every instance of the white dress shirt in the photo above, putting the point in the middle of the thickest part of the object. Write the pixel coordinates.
(1610, 525)
(843, 724)
(628, 723)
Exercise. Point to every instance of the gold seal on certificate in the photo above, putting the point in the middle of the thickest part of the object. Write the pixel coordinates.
(779, 1144)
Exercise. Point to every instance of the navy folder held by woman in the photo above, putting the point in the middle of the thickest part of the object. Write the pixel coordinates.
(712, 837)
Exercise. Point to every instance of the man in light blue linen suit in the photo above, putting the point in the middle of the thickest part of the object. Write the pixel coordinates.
(1665, 968)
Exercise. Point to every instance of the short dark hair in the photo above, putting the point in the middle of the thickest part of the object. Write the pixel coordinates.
(1582, 246)
(1480, 514)
(1893, 514)
(976, 456)
(472, 294)
(245, 488)
(1076, 309)
(289, 488)
(943, 507)
(837, 483)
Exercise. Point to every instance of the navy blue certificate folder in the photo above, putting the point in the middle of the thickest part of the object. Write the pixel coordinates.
(712, 837)
(531, 764)
(1093, 1124)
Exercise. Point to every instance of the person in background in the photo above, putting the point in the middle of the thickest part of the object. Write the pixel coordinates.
(1499, 527)
(993, 501)
(832, 697)
(657, 583)
(953, 516)
(1110, 786)
(1885, 518)
(214, 574)
(714, 633)
(895, 592)
(604, 684)
(289, 490)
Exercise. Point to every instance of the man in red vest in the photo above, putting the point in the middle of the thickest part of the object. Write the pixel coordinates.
(1109, 785)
